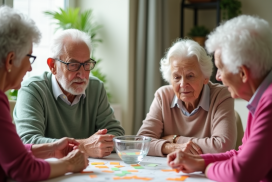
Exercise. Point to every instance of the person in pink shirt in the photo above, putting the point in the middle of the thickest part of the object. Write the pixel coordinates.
(17, 161)
(242, 50)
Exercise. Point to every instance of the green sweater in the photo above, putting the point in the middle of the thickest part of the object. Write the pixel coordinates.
(40, 118)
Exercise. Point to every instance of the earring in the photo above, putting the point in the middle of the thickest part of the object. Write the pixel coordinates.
(9, 70)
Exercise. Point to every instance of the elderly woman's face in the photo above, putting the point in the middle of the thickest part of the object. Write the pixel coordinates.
(187, 79)
(18, 73)
(230, 80)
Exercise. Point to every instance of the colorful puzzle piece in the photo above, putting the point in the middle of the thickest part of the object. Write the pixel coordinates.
(168, 170)
(132, 170)
(119, 166)
(107, 171)
(102, 166)
(152, 165)
(115, 169)
(92, 176)
(138, 167)
(98, 163)
(126, 172)
(132, 177)
(114, 163)
(182, 178)
(131, 153)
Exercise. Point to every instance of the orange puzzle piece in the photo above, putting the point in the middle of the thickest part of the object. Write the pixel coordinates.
(92, 176)
(102, 166)
(107, 171)
(114, 163)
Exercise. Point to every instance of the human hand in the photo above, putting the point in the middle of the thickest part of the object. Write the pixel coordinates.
(99, 144)
(168, 138)
(76, 160)
(63, 146)
(189, 147)
(187, 163)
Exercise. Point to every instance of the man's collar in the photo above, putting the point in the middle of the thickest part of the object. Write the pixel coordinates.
(204, 100)
(253, 103)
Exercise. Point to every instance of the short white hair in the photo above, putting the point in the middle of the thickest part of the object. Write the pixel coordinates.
(17, 34)
(58, 43)
(186, 48)
(244, 40)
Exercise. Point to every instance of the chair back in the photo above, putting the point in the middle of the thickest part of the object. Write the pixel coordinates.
(12, 105)
(240, 130)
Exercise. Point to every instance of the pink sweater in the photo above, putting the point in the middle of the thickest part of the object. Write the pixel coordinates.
(214, 131)
(253, 160)
(16, 160)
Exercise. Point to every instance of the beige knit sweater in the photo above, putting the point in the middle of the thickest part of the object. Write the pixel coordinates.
(214, 131)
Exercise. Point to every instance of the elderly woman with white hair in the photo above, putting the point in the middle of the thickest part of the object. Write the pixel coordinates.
(243, 55)
(18, 161)
(192, 113)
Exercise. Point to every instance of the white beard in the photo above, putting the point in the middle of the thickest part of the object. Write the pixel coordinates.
(74, 90)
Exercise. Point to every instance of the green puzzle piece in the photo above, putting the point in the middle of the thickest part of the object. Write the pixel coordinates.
(138, 167)
(115, 169)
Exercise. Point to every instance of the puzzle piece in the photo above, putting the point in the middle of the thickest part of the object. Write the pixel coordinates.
(102, 166)
(97, 163)
(114, 163)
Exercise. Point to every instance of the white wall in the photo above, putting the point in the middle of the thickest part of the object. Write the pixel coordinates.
(117, 61)
(240, 107)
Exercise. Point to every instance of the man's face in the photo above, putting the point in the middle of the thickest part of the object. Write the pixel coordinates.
(73, 82)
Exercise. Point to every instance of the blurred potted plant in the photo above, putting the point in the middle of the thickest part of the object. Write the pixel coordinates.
(84, 21)
(198, 34)
(230, 8)
(12, 94)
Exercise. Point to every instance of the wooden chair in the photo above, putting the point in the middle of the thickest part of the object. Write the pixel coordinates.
(12, 105)
(240, 130)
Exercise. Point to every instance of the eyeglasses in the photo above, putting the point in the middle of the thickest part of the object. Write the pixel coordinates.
(88, 66)
(31, 58)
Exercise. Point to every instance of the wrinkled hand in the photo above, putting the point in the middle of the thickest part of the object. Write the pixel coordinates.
(99, 144)
(168, 138)
(185, 162)
(189, 147)
(63, 146)
(77, 161)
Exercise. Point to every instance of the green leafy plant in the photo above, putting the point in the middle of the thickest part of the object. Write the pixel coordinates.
(199, 31)
(84, 21)
(230, 8)
(12, 94)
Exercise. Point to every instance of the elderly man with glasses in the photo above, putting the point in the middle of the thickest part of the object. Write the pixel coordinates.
(67, 102)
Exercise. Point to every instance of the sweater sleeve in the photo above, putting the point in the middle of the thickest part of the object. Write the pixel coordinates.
(29, 117)
(222, 126)
(253, 161)
(105, 116)
(16, 159)
(153, 127)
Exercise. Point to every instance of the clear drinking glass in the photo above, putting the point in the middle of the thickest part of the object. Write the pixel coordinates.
(132, 149)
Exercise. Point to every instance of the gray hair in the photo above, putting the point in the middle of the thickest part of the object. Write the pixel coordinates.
(186, 48)
(244, 40)
(17, 33)
(58, 47)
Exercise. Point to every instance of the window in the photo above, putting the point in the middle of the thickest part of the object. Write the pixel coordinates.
(34, 9)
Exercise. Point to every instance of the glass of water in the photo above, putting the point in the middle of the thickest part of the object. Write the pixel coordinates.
(132, 149)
